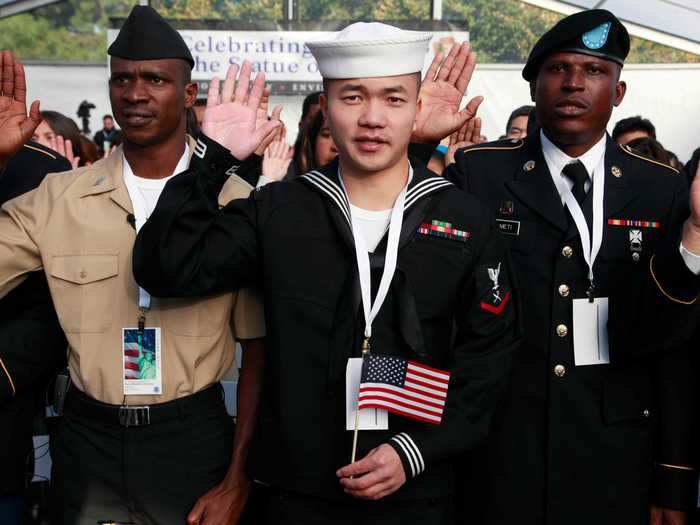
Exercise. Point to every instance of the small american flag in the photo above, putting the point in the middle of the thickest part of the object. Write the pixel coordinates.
(403, 387)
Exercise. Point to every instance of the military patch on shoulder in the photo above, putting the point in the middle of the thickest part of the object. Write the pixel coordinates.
(443, 230)
(495, 300)
(596, 38)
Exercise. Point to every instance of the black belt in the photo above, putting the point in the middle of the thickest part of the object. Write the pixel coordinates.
(81, 404)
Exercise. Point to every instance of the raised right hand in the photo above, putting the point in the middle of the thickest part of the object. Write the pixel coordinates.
(231, 117)
(16, 127)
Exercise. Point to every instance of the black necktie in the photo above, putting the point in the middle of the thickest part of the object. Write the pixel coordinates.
(576, 173)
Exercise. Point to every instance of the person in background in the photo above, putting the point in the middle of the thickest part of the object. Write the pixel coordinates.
(54, 129)
(310, 108)
(650, 148)
(631, 128)
(32, 344)
(108, 137)
(516, 128)
(314, 147)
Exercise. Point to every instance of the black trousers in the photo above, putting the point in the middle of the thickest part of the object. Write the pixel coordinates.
(145, 475)
(284, 508)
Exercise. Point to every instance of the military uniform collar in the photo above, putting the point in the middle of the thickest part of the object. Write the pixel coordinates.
(326, 181)
(107, 175)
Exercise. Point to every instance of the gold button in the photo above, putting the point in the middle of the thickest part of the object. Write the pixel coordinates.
(562, 330)
(564, 290)
(83, 274)
(560, 370)
(567, 251)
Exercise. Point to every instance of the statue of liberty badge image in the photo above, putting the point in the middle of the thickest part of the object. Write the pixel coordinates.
(142, 361)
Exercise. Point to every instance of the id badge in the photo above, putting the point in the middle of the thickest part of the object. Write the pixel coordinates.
(369, 418)
(142, 362)
(591, 332)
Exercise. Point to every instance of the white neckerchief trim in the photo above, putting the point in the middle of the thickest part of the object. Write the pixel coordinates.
(413, 194)
(138, 203)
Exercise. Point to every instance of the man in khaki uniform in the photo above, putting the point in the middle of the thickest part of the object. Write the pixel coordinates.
(128, 449)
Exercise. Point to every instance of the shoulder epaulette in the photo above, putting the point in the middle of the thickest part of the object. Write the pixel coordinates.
(45, 152)
(501, 145)
(633, 153)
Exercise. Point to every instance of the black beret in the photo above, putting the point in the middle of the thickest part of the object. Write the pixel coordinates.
(595, 32)
(147, 36)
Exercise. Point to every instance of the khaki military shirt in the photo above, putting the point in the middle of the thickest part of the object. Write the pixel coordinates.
(75, 227)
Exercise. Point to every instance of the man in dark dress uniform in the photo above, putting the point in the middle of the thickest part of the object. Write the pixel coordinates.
(598, 422)
(440, 279)
(32, 345)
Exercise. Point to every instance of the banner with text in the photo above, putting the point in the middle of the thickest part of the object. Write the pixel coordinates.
(289, 66)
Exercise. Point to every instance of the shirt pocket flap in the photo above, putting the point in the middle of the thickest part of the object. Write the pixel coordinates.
(84, 269)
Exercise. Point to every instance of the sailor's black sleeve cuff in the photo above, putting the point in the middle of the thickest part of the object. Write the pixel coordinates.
(410, 454)
(675, 487)
(214, 159)
(422, 151)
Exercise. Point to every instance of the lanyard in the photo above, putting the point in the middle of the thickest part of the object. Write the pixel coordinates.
(392, 249)
(591, 248)
(139, 205)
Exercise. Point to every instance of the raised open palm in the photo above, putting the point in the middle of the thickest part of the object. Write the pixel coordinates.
(441, 95)
(16, 127)
(231, 116)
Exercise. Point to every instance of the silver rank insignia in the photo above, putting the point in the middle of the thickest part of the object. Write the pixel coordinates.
(635, 244)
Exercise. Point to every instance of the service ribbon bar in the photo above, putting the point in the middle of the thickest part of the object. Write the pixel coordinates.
(634, 224)
(444, 230)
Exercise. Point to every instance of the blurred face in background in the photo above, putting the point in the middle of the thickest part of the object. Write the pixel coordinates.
(517, 128)
(108, 123)
(324, 149)
(43, 134)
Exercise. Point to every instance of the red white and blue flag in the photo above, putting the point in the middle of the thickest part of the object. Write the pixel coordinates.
(403, 387)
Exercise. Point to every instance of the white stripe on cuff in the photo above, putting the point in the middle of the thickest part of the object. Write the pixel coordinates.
(414, 456)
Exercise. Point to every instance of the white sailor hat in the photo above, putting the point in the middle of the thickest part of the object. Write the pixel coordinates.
(370, 49)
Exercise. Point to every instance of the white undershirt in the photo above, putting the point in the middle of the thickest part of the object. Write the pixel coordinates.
(373, 225)
(150, 189)
(593, 160)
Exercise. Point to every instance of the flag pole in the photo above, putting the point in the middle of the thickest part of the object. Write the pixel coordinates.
(365, 352)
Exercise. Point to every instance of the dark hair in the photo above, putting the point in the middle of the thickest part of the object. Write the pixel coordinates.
(650, 148)
(522, 111)
(191, 125)
(310, 100)
(633, 124)
(533, 125)
(64, 126)
(108, 116)
(89, 153)
(305, 145)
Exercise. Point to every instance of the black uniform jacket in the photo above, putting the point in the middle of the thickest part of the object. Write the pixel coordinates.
(294, 239)
(590, 444)
(32, 344)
